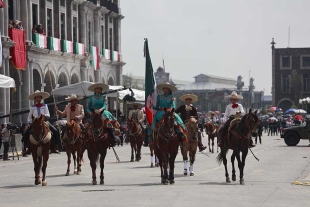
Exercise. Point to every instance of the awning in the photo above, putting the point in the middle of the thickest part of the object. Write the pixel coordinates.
(6, 82)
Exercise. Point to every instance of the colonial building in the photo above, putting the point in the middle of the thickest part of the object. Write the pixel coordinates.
(284, 61)
(81, 42)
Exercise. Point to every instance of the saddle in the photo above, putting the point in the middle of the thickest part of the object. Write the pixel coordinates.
(232, 126)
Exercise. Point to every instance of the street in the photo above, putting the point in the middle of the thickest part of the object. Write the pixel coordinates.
(268, 182)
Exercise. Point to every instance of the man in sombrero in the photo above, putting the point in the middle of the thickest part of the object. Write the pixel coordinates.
(231, 111)
(73, 111)
(188, 111)
(137, 114)
(36, 110)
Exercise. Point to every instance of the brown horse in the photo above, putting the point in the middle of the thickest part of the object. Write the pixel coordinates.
(74, 146)
(167, 146)
(135, 135)
(97, 142)
(211, 131)
(40, 141)
(190, 147)
(239, 141)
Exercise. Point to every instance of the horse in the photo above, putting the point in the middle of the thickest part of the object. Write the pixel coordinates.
(74, 146)
(239, 141)
(40, 141)
(135, 135)
(97, 142)
(190, 147)
(167, 145)
(153, 156)
(211, 131)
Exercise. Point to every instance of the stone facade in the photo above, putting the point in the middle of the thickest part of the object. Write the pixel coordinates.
(90, 23)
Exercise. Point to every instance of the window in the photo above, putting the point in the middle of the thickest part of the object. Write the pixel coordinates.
(285, 84)
(63, 3)
(62, 26)
(305, 61)
(49, 0)
(102, 37)
(111, 19)
(74, 29)
(34, 14)
(11, 9)
(110, 38)
(286, 62)
(89, 34)
(49, 23)
(306, 83)
(74, 7)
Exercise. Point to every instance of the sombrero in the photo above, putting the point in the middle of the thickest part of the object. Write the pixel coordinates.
(191, 96)
(73, 97)
(136, 104)
(38, 93)
(161, 87)
(234, 95)
(92, 87)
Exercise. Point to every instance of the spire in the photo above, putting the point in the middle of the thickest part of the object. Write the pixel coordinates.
(273, 43)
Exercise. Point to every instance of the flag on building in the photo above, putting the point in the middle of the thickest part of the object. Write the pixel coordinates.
(115, 56)
(18, 51)
(79, 48)
(95, 61)
(0, 51)
(53, 43)
(66, 46)
(150, 85)
(106, 54)
(2, 5)
(39, 40)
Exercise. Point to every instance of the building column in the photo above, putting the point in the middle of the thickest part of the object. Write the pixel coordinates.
(97, 74)
(25, 90)
(1, 21)
(6, 18)
(29, 28)
(7, 90)
(82, 25)
(97, 30)
(84, 76)
(24, 16)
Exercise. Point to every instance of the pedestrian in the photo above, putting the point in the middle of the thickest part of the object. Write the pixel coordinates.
(275, 127)
(308, 129)
(270, 127)
(5, 141)
(259, 133)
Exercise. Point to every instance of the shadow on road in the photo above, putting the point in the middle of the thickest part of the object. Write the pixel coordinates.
(17, 186)
(220, 183)
(293, 146)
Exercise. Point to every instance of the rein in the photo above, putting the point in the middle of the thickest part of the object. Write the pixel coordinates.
(100, 135)
(139, 131)
(74, 138)
(167, 134)
(43, 134)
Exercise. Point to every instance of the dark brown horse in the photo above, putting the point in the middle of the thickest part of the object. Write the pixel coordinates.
(211, 131)
(74, 146)
(135, 135)
(190, 147)
(167, 146)
(97, 142)
(40, 141)
(239, 141)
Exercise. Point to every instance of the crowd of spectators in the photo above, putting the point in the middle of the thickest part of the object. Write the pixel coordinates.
(16, 24)
(38, 29)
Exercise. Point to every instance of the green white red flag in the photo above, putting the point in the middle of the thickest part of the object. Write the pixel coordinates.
(150, 85)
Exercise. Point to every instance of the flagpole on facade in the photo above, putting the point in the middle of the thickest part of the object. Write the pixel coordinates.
(52, 90)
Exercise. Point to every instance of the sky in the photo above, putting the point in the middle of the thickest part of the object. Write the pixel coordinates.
(224, 38)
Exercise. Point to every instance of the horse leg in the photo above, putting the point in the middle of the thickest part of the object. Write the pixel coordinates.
(192, 154)
(132, 151)
(241, 164)
(74, 161)
(213, 144)
(209, 143)
(233, 156)
(139, 145)
(217, 146)
(37, 180)
(79, 160)
(136, 152)
(69, 159)
(185, 159)
(223, 152)
(171, 167)
(152, 157)
(93, 157)
(102, 157)
(45, 159)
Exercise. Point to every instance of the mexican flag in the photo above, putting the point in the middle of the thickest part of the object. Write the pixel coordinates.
(66, 46)
(95, 61)
(53, 43)
(115, 56)
(79, 48)
(106, 54)
(39, 40)
(150, 85)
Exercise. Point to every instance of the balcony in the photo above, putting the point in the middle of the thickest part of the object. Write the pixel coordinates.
(109, 5)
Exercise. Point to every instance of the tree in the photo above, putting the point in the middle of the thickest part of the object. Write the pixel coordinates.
(295, 85)
(263, 111)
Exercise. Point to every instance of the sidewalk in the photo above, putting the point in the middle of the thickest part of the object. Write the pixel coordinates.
(19, 147)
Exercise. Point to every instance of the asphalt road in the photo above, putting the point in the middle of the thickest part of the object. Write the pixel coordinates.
(267, 182)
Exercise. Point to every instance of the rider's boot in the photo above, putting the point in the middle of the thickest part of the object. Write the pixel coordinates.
(200, 145)
(150, 139)
(251, 143)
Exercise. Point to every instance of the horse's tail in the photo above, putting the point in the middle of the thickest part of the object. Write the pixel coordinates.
(221, 155)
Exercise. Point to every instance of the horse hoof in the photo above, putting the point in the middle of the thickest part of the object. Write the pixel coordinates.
(156, 165)
(165, 182)
(75, 171)
(191, 174)
(228, 180)
(37, 182)
(233, 177)
(131, 160)
(152, 165)
(67, 174)
(172, 182)
(242, 182)
(94, 182)
(44, 183)
(78, 173)
(101, 182)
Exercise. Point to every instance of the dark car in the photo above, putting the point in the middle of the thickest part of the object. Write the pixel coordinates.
(294, 134)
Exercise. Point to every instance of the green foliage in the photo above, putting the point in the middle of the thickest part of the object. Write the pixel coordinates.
(293, 107)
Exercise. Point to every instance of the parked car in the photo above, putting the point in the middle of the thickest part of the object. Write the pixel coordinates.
(294, 134)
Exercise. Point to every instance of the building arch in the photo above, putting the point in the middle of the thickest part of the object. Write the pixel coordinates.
(111, 81)
(39, 69)
(75, 70)
(37, 83)
(111, 77)
(90, 79)
(74, 78)
(49, 68)
(285, 104)
(49, 80)
(63, 70)
(62, 79)
(102, 80)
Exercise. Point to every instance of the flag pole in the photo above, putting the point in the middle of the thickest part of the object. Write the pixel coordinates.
(52, 90)
(165, 70)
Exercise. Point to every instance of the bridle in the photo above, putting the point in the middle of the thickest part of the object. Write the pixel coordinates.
(97, 132)
(74, 137)
(43, 132)
(167, 126)
(191, 127)
(139, 131)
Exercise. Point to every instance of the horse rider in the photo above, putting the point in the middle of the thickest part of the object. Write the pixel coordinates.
(188, 111)
(73, 111)
(137, 114)
(231, 110)
(98, 102)
(166, 101)
(36, 110)
(213, 118)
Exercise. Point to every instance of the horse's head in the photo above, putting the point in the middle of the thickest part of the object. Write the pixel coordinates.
(192, 127)
(169, 117)
(250, 121)
(97, 125)
(39, 128)
(72, 130)
(209, 127)
(130, 124)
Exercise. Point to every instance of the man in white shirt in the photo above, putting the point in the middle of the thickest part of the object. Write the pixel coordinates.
(5, 141)
(36, 110)
(137, 114)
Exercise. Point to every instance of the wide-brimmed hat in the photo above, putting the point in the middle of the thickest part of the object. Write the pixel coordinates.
(234, 95)
(161, 87)
(104, 87)
(73, 97)
(136, 104)
(38, 93)
(191, 96)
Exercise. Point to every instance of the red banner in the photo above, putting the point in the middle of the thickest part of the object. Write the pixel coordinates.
(2, 5)
(18, 52)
